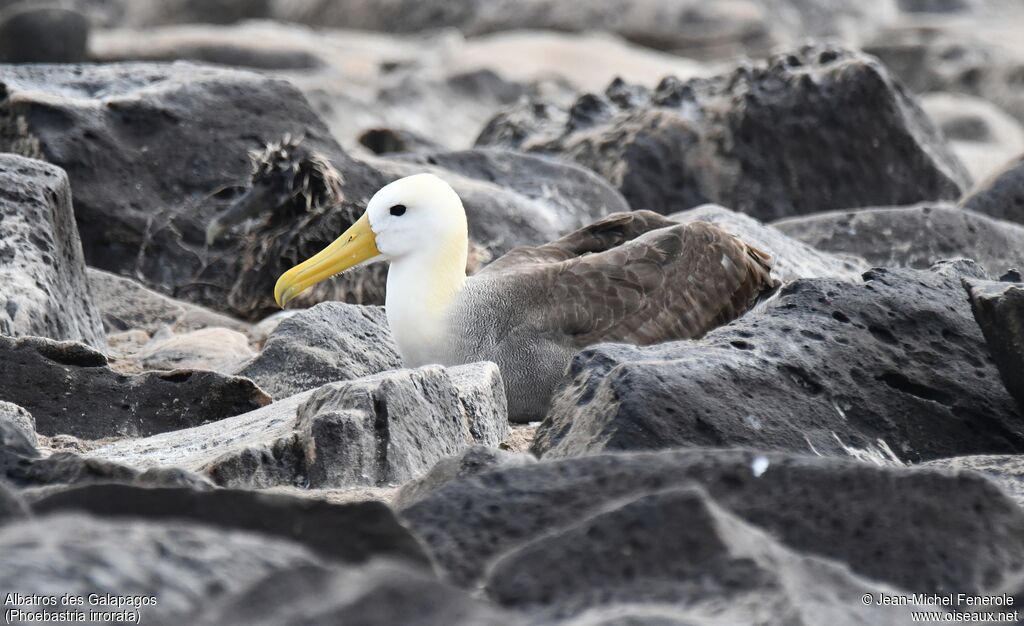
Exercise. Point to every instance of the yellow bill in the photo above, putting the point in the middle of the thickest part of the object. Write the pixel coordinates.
(357, 244)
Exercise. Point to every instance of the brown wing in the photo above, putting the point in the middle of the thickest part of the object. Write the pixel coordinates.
(674, 282)
(604, 234)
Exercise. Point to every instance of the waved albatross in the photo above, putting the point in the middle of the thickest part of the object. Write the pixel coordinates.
(630, 277)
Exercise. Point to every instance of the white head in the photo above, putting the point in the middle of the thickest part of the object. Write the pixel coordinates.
(417, 215)
(417, 220)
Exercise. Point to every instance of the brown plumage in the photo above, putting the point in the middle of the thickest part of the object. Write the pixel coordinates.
(631, 277)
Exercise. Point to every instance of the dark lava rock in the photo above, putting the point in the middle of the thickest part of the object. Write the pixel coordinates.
(378, 594)
(916, 236)
(352, 532)
(470, 463)
(791, 258)
(44, 288)
(70, 389)
(916, 529)
(999, 310)
(815, 129)
(1002, 195)
(678, 548)
(894, 365)
(327, 343)
(43, 33)
(184, 567)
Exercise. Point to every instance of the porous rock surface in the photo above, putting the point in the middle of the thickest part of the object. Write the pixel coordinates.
(893, 366)
(914, 236)
(43, 286)
(815, 129)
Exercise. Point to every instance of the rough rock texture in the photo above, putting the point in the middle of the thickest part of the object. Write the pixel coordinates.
(915, 529)
(184, 566)
(916, 236)
(388, 427)
(126, 304)
(470, 463)
(42, 34)
(216, 349)
(999, 310)
(791, 258)
(894, 366)
(1005, 469)
(815, 129)
(714, 566)
(329, 342)
(1002, 195)
(70, 389)
(16, 425)
(981, 135)
(350, 533)
(253, 450)
(43, 288)
(379, 594)
(482, 396)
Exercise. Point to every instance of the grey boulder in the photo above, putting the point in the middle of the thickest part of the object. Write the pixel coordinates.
(127, 304)
(913, 236)
(678, 548)
(390, 428)
(774, 139)
(349, 533)
(377, 430)
(43, 286)
(42, 34)
(892, 367)
(911, 528)
(472, 461)
(326, 343)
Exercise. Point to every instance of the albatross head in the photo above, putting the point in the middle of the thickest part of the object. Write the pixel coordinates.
(418, 223)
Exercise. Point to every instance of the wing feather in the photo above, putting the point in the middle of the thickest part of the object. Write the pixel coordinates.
(639, 278)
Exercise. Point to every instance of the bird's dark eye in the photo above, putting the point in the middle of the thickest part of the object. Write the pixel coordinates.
(398, 210)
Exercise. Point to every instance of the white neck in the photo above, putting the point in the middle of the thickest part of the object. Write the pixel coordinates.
(421, 289)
